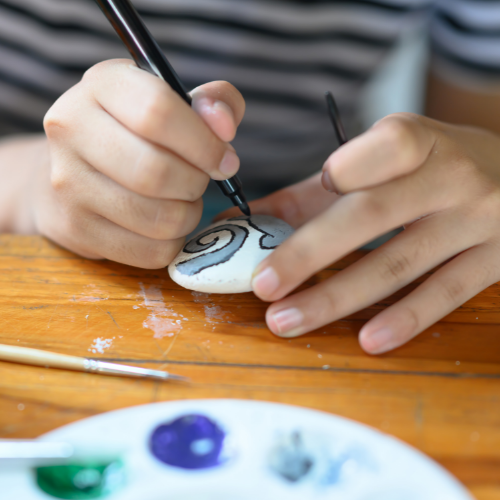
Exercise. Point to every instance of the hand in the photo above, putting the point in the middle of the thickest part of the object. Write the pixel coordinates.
(129, 162)
(441, 182)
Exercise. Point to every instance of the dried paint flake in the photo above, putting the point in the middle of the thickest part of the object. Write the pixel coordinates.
(200, 297)
(214, 314)
(160, 317)
(92, 294)
(100, 345)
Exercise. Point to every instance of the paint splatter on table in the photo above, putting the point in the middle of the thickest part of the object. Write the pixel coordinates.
(439, 393)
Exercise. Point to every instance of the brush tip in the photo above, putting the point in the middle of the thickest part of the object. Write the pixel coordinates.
(245, 209)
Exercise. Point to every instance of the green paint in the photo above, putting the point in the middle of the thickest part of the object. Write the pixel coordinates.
(81, 481)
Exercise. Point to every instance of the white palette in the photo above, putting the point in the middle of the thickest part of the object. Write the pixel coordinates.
(346, 460)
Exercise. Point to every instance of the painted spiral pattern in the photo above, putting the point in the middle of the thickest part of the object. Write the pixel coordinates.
(197, 264)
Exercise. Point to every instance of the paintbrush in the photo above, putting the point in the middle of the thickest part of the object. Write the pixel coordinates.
(15, 453)
(20, 452)
(38, 357)
(334, 114)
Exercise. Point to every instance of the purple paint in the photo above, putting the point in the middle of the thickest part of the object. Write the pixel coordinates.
(189, 442)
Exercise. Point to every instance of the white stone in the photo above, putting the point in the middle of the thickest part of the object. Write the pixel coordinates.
(222, 258)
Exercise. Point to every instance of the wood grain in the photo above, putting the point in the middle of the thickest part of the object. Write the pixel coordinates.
(439, 393)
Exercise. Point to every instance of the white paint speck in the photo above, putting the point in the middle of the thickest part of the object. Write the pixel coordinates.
(325, 367)
(200, 297)
(100, 345)
(308, 346)
(214, 314)
(20, 407)
(135, 307)
(96, 294)
(457, 362)
(87, 317)
(320, 356)
(160, 318)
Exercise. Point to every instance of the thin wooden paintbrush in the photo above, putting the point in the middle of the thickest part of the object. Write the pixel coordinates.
(28, 356)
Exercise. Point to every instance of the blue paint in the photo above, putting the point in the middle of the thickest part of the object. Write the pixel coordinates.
(189, 442)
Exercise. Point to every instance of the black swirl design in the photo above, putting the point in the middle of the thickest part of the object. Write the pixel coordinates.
(197, 264)
(275, 231)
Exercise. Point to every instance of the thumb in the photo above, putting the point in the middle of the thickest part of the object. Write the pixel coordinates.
(221, 106)
(294, 204)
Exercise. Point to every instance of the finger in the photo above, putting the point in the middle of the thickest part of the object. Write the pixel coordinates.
(157, 219)
(355, 219)
(451, 286)
(379, 274)
(295, 204)
(115, 243)
(131, 161)
(94, 237)
(158, 114)
(395, 146)
(221, 106)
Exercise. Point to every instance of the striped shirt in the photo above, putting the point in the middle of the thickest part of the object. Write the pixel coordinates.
(281, 54)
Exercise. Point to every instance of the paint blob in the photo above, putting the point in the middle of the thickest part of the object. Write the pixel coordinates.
(290, 459)
(81, 481)
(189, 442)
(222, 258)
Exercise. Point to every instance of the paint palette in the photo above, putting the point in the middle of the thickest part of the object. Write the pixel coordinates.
(234, 450)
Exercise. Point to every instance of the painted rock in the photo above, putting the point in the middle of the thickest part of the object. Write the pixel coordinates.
(222, 258)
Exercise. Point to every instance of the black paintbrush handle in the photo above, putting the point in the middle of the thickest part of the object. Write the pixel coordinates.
(333, 112)
(140, 43)
(149, 57)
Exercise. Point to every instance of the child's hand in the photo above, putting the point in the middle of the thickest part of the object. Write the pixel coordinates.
(129, 162)
(441, 181)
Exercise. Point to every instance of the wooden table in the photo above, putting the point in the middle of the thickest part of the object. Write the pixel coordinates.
(440, 393)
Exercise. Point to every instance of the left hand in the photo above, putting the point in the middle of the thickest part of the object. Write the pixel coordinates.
(440, 181)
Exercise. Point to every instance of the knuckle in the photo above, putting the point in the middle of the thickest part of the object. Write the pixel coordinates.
(174, 218)
(453, 290)
(301, 252)
(410, 320)
(54, 123)
(59, 178)
(156, 109)
(170, 220)
(158, 255)
(151, 174)
(400, 139)
(370, 207)
(394, 266)
(94, 71)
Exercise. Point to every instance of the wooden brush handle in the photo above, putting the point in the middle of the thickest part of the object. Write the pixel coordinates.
(38, 357)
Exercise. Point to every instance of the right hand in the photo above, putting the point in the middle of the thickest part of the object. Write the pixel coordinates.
(129, 162)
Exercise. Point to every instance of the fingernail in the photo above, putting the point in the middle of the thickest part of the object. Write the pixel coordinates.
(286, 323)
(230, 163)
(327, 182)
(209, 106)
(266, 282)
(379, 341)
